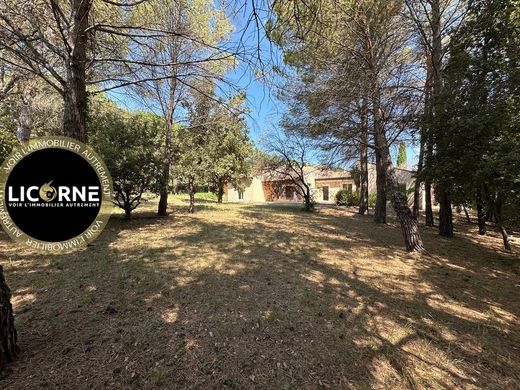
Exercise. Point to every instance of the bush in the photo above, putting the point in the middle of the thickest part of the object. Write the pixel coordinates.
(341, 198)
(347, 198)
(372, 198)
(8, 141)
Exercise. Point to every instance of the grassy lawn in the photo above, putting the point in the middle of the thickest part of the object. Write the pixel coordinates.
(245, 296)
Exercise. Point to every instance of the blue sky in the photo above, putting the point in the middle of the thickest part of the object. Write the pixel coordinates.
(265, 110)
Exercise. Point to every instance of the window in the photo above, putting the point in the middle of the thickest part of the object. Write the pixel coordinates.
(325, 193)
(240, 195)
(347, 187)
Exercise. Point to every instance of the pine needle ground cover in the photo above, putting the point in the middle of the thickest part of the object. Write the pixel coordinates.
(268, 297)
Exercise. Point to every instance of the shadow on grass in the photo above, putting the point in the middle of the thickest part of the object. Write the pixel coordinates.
(263, 297)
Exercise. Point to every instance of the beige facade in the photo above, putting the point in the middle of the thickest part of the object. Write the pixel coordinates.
(324, 186)
(251, 191)
(259, 189)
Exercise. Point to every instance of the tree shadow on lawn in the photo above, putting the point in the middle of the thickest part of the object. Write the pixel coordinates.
(261, 300)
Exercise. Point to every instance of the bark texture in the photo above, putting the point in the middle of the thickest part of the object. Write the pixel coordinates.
(428, 210)
(168, 137)
(468, 219)
(191, 193)
(220, 192)
(409, 227)
(417, 184)
(75, 88)
(500, 224)
(8, 337)
(128, 212)
(380, 209)
(481, 213)
(363, 181)
(445, 214)
(363, 161)
(162, 209)
(25, 118)
(427, 115)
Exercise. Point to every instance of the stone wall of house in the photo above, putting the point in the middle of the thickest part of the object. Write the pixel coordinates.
(251, 189)
(256, 190)
(334, 185)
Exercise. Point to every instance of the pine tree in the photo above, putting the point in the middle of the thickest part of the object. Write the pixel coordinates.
(401, 156)
(477, 141)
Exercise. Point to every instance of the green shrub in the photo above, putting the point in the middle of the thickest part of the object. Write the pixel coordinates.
(347, 198)
(341, 197)
(354, 199)
(8, 141)
(372, 198)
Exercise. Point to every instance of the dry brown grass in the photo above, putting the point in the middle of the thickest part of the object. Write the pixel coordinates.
(266, 297)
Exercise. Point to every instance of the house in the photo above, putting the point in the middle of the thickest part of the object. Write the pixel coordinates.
(324, 184)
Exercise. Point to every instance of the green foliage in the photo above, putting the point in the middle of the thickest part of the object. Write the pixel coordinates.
(372, 199)
(401, 156)
(128, 144)
(216, 148)
(347, 198)
(229, 150)
(46, 115)
(8, 141)
(476, 131)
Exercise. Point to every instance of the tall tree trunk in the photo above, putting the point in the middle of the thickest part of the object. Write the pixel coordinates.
(417, 184)
(8, 337)
(220, 191)
(169, 119)
(445, 214)
(128, 212)
(162, 209)
(363, 161)
(309, 206)
(468, 219)
(75, 88)
(505, 237)
(427, 116)
(191, 193)
(428, 211)
(427, 160)
(380, 209)
(25, 117)
(409, 227)
(500, 223)
(481, 214)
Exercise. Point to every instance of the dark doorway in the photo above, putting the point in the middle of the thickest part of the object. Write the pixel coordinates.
(325, 193)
